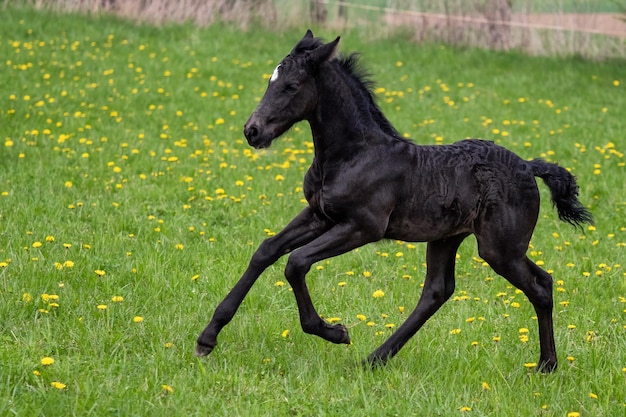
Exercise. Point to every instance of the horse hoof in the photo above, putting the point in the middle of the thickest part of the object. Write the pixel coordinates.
(373, 362)
(345, 337)
(546, 367)
(203, 350)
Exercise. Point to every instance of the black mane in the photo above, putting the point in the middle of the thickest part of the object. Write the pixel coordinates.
(360, 79)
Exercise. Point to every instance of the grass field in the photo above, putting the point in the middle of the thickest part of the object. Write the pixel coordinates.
(130, 204)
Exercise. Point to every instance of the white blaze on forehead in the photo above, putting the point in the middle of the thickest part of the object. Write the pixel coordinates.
(275, 74)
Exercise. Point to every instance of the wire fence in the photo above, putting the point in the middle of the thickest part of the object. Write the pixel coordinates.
(595, 29)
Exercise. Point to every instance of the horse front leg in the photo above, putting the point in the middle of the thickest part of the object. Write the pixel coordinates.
(301, 230)
(340, 239)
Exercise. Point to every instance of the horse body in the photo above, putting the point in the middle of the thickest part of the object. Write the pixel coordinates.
(366, 183)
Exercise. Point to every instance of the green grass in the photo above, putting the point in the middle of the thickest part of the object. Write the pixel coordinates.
(122, 152)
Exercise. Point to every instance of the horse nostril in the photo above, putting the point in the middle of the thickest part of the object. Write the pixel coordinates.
(251, 132)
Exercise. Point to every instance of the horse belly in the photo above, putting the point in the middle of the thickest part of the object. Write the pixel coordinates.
(432, 218)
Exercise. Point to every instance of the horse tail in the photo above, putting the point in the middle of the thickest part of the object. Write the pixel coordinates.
(564, 192)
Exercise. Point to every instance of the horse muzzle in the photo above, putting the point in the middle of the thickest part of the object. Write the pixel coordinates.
(258, 136)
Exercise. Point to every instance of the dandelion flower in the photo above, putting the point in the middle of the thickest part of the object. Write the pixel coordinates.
(378, 294)
(101, 307)
(167, 389)
(58, 385)
(100, 272)
(285, 333)
(137, 319)
(47, 361)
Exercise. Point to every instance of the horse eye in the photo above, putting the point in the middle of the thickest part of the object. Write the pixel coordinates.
(292, 87)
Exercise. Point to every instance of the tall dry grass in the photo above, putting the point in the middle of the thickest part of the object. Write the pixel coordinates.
(533, 26)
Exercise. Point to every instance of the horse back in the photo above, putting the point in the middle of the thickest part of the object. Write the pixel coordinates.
(447, 188)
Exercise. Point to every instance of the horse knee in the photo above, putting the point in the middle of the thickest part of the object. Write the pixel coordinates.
(265, 255)
(296, 268)
(439, 291)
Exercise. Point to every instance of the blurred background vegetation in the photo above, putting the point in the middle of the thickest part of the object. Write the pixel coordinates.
(590, 28)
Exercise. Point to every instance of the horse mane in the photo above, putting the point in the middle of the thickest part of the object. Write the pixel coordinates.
(358, 77)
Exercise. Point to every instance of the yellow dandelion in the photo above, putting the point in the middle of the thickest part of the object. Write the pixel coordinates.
(47, 361)
(137, 319)
(285, 333)
(101, 307)
(167, 389)
(378, 294)
(58, 385)
(100, 272)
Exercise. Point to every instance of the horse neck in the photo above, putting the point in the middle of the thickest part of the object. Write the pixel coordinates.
(341, 120)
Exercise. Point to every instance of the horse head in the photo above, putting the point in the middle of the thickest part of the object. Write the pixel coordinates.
(291, 94)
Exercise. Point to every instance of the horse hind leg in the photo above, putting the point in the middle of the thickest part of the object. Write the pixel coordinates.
(438, 287)
(506, 260)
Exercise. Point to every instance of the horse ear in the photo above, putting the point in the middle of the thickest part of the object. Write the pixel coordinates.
(323, 53)
(308, 34)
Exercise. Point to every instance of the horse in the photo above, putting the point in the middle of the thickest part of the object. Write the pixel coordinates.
(367, 182)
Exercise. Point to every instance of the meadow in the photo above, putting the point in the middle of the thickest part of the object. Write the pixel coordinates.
(130, 204)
